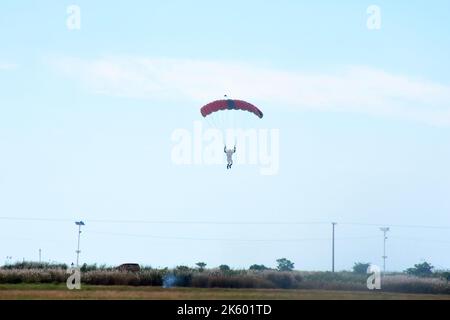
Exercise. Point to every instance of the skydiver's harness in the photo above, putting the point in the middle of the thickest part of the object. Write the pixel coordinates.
(229, 154)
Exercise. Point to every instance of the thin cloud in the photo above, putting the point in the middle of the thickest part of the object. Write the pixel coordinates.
(355, 89)
(8, 66)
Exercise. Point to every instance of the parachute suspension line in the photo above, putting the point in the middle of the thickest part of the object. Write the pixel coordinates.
(233, 117)
(236, 126)
(227, 115)
(210, 122)
(231, 114)
(216, 121)
(226, 124)
(223, 117)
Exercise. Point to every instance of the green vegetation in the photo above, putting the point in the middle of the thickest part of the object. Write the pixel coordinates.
(258, 267)
(285, 265)
(224, 268)
(361, 268)
(421, 270)
(31, 265)
(446, 276)
(201, 266)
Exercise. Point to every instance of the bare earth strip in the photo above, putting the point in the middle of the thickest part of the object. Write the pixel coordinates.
(149, 293)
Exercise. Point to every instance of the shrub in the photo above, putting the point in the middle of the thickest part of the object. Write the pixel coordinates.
(31, 265)
(446, 276)
(414, 284)
(32, 276)
(421, 270)
(224, 268)
(258, 267)
(269, 279)
(183, 269)
(183, 277)
(361, 268)
(285, 265)
(284, 280)
(201, 266)
(88, 267)
(333, 281)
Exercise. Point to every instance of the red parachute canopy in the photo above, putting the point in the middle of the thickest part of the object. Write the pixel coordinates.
(230, 104)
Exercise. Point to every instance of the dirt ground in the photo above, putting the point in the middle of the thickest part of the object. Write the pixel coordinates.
(13, 292)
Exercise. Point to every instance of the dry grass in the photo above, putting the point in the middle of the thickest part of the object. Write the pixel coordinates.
(51, 292)
(239, 279)
(411, 284)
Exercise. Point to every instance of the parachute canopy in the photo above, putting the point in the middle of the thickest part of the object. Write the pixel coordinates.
(230, 104)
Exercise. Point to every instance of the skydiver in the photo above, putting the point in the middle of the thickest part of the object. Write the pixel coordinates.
(229, 153)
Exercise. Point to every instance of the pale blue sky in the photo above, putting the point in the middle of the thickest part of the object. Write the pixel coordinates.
(86, 119)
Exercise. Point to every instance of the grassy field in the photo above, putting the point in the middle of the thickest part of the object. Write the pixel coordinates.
(49, 291)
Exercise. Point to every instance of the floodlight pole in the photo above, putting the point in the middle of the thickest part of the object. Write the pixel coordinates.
(332, 248)
(79, 224)
(385, 231)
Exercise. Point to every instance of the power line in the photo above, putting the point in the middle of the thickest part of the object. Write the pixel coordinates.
(222, 239)
(206, 222)
(395, 225)
(204, 239)
(35, 219)
(58, 241)
(210, 222)
(421, 240)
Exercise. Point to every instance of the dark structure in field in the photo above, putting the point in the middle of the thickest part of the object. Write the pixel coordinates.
(129, 267)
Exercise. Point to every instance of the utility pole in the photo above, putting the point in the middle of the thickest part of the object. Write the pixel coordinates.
(332, 248)
(40, 255)
(79, 224)
(385, 231)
